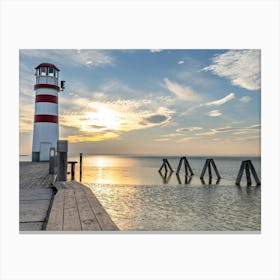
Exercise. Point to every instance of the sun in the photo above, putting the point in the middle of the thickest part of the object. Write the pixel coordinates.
(101, 118)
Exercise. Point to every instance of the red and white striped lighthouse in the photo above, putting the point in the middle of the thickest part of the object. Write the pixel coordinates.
(45, 132)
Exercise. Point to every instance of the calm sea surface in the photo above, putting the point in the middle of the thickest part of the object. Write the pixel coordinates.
(138, 198)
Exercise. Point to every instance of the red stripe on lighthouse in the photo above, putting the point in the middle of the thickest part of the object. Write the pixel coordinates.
(46, 86)
(46, 98)
(46, 118)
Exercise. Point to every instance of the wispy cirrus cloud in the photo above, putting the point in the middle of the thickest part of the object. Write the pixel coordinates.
(241, 67)
(217, 102)
(76, 58)
(182, 92)
(233, 130)
(221, 101)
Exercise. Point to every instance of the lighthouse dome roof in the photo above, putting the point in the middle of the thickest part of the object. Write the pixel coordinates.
(47, 65)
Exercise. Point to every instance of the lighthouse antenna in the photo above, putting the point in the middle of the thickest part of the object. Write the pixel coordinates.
(62, 85)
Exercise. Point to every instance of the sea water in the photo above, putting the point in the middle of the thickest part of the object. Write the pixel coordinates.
(139, 198)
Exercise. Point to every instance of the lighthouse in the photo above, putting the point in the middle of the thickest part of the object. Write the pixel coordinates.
(45, 132)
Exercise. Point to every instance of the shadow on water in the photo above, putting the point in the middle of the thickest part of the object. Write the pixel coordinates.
(210, 181)
(187, 181)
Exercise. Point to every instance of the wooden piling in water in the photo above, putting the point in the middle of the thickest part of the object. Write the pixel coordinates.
(164, 165)
(81, 166)
(247, 166)
(207, 165)
(186, 164)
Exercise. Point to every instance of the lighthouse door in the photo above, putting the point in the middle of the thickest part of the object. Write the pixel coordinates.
(45, 151)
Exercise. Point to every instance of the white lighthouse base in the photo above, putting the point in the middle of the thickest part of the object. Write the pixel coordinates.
(45, 137)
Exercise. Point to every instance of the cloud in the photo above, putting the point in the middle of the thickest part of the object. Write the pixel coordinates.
(181, 62)
(221, 101)
(171, 135)
(233, 130)
(183, 93)
(76, 58)
(162, 139)
(100, 120)
(218, 102)
(214, 113)
(185, 140)
(255, 126)
(192, 128)
(91, 137)
(241, 67)
(155, 119)
(245, 99)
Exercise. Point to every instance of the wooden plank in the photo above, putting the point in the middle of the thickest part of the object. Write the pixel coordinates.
(87, 216)
(55, 221)
(104, 220)
(71, 213)
(102, 216)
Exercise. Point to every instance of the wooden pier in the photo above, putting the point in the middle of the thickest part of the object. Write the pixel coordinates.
(58, 206)
(76, 208)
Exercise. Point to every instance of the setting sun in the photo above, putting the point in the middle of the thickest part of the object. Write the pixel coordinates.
(101, 117)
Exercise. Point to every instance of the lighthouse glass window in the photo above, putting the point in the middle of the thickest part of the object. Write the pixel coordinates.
(51, 72)
(43, 71)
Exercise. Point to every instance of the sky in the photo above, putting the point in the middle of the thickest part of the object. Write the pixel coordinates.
(150, 102)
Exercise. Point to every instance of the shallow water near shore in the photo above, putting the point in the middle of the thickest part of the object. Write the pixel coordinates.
(138, 198)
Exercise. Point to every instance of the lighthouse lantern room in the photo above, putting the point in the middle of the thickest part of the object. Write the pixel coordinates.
(45, 132)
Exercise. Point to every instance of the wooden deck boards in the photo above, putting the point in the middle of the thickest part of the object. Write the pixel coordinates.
(75, 208)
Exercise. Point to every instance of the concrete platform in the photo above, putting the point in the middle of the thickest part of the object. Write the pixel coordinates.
(35, 196)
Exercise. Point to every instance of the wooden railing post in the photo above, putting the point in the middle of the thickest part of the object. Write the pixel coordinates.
(52, 161)
(62, 149)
